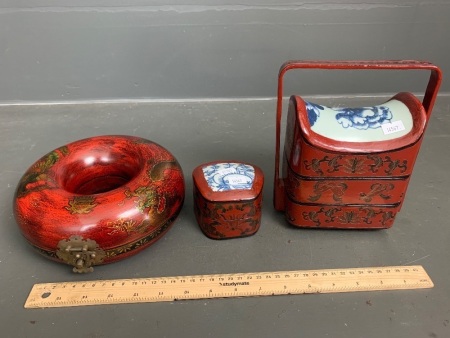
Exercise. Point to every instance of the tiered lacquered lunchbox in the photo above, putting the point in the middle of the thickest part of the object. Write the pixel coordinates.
(349, 167)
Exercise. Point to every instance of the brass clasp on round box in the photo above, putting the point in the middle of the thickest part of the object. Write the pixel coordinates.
(81, 253)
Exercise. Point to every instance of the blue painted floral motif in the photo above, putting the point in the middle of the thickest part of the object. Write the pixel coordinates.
(229, 176)
(358, 118)
(313, 111)
(364, 118)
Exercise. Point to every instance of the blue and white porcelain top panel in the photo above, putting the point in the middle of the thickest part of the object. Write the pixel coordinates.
(388, 121)
(229, 176)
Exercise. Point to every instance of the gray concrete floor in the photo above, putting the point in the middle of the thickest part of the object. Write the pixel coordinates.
(243, 130)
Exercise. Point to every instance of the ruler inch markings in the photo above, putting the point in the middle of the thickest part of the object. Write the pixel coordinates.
(251, 284)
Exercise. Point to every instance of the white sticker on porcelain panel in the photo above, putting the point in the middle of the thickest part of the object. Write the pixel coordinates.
(391, 128)
(229, 176)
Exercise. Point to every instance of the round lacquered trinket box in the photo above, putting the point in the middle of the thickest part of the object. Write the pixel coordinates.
(99, 200)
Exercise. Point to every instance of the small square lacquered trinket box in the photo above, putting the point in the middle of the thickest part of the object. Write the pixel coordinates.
(227, 199)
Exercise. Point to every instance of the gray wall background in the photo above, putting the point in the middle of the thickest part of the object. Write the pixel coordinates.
(60, 50)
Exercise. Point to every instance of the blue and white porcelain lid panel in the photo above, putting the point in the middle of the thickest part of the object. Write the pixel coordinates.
(388, 121)
(229, 176)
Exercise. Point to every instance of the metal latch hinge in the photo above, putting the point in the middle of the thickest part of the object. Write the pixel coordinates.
(81, 253)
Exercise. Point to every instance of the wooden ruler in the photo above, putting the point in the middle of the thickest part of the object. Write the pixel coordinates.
(168, 289)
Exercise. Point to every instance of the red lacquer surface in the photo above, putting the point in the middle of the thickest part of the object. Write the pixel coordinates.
(346, 190)
(123, 192)
(223, 220)
(335, 184)
(227, 214)
(341, 216)
(354, 188)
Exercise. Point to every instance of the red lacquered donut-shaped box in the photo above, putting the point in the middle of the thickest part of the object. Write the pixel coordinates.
(99, 200)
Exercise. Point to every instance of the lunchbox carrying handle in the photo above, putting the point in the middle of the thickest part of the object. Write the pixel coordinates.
(429, 99)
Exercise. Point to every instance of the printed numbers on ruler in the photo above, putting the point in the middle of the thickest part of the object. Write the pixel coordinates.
(227, 285)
